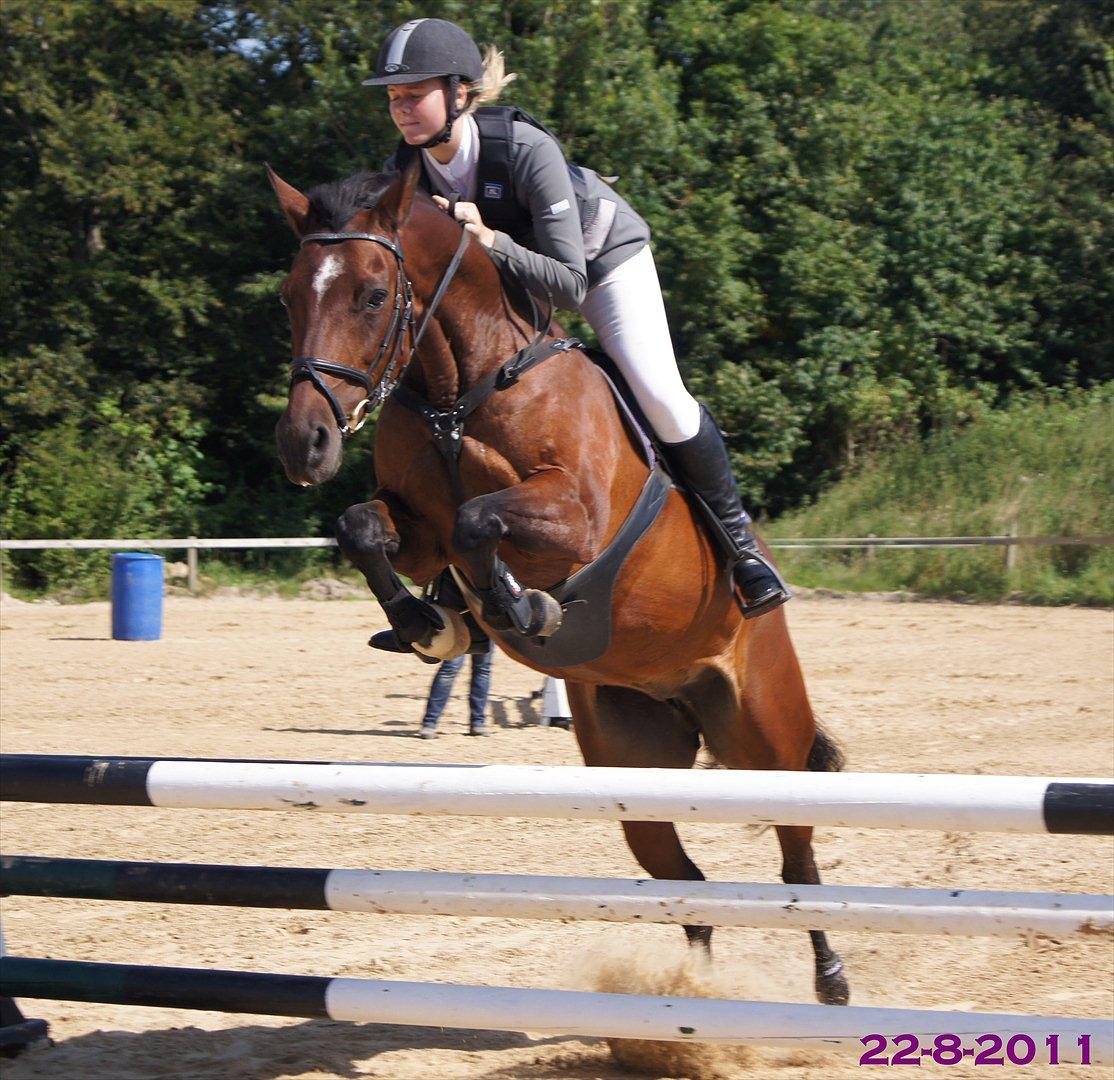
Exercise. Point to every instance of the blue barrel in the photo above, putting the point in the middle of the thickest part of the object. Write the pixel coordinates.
(136, 596)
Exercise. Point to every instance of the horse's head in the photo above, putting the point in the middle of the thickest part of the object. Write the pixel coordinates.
(349, 303)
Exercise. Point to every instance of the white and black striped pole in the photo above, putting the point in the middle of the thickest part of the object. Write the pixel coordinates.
(524, 896)
(1016, 804)
(557, 1012)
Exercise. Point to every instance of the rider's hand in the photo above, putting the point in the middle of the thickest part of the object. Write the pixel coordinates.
(469, 214)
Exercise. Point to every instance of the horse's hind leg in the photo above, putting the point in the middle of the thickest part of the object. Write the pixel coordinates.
(768, 724)
(798, 867)
(622, 727)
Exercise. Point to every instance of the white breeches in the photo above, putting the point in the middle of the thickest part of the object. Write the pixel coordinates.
(627, 313)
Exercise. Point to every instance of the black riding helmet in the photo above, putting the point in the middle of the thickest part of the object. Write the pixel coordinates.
(425, 49)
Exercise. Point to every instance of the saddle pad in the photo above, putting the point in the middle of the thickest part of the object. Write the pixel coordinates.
(628, 406)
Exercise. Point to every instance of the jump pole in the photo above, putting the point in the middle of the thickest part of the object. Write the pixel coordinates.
(549, 1012)
(1014, 804)
(525, 896)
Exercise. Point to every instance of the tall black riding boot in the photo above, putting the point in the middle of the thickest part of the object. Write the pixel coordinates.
(702, 465)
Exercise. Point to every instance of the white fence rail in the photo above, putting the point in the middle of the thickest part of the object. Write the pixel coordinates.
(191, 545)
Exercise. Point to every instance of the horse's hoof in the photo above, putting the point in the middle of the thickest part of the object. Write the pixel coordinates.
(545, 614)
(448, 643)
(832, 987)
(387, 640)
(700, 941)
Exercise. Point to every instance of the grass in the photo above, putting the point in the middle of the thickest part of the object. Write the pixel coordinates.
(1043, 466)
(82, 576)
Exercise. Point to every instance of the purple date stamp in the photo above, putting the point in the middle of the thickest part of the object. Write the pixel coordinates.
(948, 1049)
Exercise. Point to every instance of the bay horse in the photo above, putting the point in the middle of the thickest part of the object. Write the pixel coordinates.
(386, 289)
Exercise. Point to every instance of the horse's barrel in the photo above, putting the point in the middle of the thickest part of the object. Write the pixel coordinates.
(137, 586)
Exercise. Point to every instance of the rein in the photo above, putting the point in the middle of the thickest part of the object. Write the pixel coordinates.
(402, 321)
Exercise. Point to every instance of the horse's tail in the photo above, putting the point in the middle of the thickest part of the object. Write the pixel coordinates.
(825, 755)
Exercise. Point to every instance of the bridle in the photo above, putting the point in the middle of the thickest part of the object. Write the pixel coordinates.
(446, 426)
(386, 364)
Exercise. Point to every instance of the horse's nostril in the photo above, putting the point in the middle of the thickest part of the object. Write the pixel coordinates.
(320, 438)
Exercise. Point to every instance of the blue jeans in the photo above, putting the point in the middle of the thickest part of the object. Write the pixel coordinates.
(443, 686)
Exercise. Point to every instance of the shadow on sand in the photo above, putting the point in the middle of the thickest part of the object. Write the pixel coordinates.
(506, 712)
(313, 1047)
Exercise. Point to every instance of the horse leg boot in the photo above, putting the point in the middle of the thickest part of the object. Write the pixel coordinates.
(368, 539)
(507, 605)
(538, 515)
(702, 465)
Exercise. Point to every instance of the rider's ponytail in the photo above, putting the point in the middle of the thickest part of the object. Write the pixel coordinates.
(487, 89)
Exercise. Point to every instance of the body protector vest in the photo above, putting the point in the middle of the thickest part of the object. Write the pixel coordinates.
(501, 206)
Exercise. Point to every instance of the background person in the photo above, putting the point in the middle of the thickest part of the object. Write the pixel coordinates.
(442, 688)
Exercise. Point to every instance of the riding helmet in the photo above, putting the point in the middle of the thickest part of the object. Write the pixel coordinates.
(425, 48)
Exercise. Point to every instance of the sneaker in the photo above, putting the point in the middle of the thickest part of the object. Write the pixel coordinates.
(478, 729)
(429, 731)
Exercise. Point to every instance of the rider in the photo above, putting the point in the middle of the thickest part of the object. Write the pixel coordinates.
(597, 261)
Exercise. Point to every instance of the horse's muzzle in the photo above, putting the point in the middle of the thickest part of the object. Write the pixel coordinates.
(310, 448)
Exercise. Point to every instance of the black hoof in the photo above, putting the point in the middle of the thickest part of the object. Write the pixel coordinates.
(700, 937)
(832, 987)
(387, 641)
(545, 614)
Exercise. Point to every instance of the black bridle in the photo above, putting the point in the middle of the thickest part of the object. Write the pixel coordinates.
(446, 425)
(383, 373)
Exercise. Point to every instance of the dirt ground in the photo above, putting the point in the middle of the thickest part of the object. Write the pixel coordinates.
(904, 687)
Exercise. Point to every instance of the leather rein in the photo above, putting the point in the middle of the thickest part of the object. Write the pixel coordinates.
(446, 425)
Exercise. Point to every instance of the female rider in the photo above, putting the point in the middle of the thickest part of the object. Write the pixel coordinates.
(597, 262)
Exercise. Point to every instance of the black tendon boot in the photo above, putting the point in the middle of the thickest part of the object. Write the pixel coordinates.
(702, 465)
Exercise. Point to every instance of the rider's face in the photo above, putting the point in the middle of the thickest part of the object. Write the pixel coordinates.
(418, 109)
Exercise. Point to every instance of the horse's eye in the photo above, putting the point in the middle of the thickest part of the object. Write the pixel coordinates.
(375, 300)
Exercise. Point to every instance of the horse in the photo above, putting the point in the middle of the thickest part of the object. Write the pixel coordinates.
(389, 302)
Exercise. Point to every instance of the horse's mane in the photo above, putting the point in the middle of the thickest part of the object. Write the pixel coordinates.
(336, 203)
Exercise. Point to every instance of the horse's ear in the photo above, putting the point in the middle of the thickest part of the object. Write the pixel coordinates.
(294, 204)
(394, 207)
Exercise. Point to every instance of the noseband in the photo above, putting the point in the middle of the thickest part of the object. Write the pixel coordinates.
(402, 320)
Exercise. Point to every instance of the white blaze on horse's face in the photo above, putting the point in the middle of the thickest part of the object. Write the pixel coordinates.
(331, 267)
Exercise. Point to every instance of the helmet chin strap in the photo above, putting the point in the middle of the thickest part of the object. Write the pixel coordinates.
(451, 112)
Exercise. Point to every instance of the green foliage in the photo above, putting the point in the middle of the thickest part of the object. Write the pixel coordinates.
(115, 475)
(1044, 466)
(873, 220)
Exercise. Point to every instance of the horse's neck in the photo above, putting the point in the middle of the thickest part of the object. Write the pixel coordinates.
(471, 332)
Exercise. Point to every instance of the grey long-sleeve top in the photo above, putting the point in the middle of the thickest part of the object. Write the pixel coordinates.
(554, 251)
(550, 255)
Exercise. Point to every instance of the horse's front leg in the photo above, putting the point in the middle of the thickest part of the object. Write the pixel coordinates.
(381, 537)
(544, 516)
